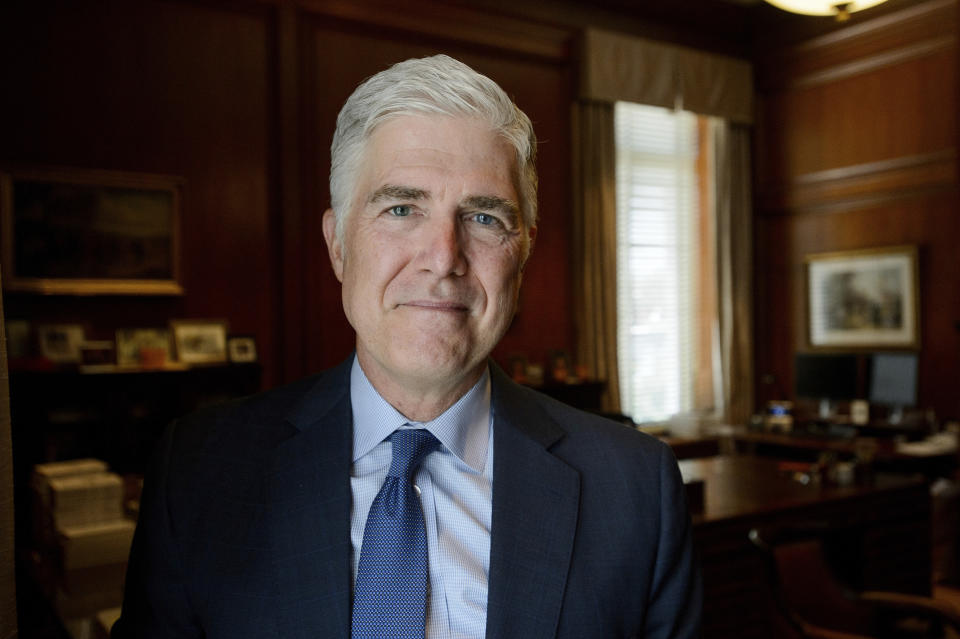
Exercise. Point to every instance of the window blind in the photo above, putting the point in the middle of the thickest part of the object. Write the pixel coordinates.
(657, 246)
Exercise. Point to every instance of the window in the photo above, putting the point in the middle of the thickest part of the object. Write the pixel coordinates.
(666, 292)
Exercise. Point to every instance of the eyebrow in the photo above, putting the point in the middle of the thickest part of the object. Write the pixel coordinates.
(396, 192)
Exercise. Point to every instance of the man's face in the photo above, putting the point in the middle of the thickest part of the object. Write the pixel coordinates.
(432, 250)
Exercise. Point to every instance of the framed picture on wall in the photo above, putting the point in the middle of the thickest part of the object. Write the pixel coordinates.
(863, 299)
(87, 232)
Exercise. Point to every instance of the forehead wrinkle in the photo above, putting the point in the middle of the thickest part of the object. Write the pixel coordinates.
(398, 192)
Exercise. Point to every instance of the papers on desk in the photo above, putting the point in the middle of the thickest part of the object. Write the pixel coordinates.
(939, 444)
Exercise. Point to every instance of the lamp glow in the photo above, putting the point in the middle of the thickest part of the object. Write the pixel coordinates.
(838, 8)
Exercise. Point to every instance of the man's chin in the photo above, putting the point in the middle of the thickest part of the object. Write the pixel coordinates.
(424, 369)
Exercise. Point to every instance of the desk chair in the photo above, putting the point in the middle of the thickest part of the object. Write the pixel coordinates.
(815, 604)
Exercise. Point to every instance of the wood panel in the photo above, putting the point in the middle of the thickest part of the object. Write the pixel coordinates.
(908, 32)
(157, 87)
(901, 110)
(856, 147)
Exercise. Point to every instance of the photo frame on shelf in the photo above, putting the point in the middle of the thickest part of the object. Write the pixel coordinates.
(200, 341)
(89, 232)
(863, 299)
(61, 343)
(242, 349)
(148, 347)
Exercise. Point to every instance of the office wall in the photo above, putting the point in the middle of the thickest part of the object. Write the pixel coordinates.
(156, 87)
(239, 99)
(856, 147)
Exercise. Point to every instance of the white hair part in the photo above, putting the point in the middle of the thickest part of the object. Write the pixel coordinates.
(434, 85)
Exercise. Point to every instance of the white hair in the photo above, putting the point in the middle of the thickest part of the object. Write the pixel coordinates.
(434, 85)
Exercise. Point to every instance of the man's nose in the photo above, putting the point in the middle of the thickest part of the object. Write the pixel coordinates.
(443, 247)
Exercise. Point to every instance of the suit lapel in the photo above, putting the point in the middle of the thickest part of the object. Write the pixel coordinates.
(535, 505)
(310, 503)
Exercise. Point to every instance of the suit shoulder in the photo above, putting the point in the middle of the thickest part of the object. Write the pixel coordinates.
(254, 423)
(582, 427)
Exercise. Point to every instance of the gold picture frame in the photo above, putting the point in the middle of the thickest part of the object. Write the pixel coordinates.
(90, 232)
(202, 341)
(864, 299)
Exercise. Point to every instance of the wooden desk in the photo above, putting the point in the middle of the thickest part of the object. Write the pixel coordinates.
(691, 447)
(889, 520)
(807, 447)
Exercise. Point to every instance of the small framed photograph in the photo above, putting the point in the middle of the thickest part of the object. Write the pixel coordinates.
(148, 347)
(242, 349)
(863, 299)
(200, 341)
(61, 342)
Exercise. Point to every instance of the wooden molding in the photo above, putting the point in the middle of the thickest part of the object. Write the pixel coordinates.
(863, 185)
(891, 39)
(461, 24)
(879, 28)
(874, 62)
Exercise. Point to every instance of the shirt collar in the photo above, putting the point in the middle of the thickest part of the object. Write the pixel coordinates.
(463, 429)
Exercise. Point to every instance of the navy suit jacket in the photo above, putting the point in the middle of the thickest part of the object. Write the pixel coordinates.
(244, 527)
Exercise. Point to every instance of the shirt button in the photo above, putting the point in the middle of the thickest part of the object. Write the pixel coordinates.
(416, 488)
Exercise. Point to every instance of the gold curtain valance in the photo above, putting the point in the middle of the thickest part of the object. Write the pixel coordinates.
(618, 67)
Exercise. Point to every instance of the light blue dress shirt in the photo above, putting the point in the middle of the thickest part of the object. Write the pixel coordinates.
(455, 484)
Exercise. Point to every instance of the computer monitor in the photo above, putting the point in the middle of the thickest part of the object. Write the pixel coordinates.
(826, 376)
(893, 380)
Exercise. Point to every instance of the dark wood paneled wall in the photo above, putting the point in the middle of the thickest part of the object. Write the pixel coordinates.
(159, 87)
(240, 100)
(856, 147)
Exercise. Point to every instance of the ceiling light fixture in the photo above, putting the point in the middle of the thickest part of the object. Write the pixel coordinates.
(841, 10)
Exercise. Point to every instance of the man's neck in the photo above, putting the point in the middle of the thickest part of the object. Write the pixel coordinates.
(420, 400)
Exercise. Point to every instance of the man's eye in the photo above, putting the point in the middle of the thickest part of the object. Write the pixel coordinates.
(401, 210)
(485, 219)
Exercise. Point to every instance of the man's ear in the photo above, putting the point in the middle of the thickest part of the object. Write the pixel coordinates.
(334, 244)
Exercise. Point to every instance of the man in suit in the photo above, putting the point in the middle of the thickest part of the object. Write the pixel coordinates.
(277, 515)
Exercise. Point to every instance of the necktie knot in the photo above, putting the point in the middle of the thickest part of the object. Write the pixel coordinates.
(410, 447)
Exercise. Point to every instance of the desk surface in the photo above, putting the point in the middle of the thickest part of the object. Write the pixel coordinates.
(888, 518)
(887, 454)
(744, 486)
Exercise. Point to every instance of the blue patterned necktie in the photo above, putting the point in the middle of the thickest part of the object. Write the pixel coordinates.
(390, 598)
